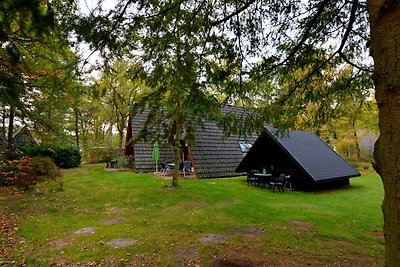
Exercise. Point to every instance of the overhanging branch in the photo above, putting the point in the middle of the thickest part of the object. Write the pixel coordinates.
(237, 12)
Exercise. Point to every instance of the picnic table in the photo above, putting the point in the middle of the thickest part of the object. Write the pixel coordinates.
(262, 178)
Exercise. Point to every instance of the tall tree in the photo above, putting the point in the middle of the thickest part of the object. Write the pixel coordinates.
(35, 62)
(119, 89)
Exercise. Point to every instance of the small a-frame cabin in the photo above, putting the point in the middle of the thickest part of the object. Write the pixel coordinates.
(23, 138)
(309, 161)
(212, 154)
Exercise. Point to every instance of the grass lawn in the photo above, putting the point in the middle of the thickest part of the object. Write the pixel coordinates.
(241, 224)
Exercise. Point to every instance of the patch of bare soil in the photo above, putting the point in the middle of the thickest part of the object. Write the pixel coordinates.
(146, 260)
(186, 257)
(169, 187)
(301, 224)
(212, 239)
(60, 243)
(113, 221)
(248, 231)
(379, 234)
(223, 262)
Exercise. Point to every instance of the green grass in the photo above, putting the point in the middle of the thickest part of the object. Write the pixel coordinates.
(168, 222)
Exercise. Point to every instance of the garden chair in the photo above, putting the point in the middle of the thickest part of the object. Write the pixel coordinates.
(251, 178)
(187, 167)
(169, 168)
(162, 168)
(277, 183)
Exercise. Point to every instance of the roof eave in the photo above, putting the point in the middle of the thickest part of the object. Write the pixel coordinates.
(337, 178)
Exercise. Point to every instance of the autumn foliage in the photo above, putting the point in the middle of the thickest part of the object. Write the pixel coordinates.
(17, 172)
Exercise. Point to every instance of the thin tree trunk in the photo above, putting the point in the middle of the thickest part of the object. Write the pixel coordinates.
(175, 174)
(385, 50)
(3, 122)
(77, 127)
(358, 150)
(120, 138)
(10, 128)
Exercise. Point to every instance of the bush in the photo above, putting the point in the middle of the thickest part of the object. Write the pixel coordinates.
(11, 154)
(101, 154)
(66, 157)
(17, 172)
(40, 150)
(44, 167)
(125, 162)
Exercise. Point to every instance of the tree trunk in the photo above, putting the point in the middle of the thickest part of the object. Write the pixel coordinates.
(3, 122)
(358, 149)
(385, 49)
(121, 137)
(77, 127)
(175, 174)
(10, 129)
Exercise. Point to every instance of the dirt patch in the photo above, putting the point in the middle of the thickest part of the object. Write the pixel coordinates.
(114, 210)
(222, 262)
(112, 221)
(60, 243)
(379, 234)
(248, 231)
(146, 260)
(169, 187)
(212, 239)
(85, 231)
(121, 242)
(304, 225)
(186, 257)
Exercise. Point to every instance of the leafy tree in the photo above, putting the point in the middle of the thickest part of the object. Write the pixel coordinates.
(276, 33)
(119, 91)
(36, 65)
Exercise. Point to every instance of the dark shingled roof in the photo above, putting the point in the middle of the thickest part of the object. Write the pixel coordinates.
(213, 154)
(23, 138)
(144, 150)
(306, 151)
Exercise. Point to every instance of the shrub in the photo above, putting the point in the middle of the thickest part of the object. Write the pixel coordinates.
(64, 157)
(11, 154)
(39, 150)
(101, 154)
(125, 162)
(45, 167)
(17, 172)
(67, 157)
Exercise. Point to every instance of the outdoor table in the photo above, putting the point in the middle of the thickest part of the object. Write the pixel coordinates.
(262, 178)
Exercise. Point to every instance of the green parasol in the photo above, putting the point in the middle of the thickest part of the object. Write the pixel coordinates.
(156, 154)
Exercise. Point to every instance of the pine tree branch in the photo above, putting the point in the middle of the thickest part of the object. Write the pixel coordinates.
(237, 12)
(338, 51)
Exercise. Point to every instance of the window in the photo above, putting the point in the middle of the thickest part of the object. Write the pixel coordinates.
(244, 146)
